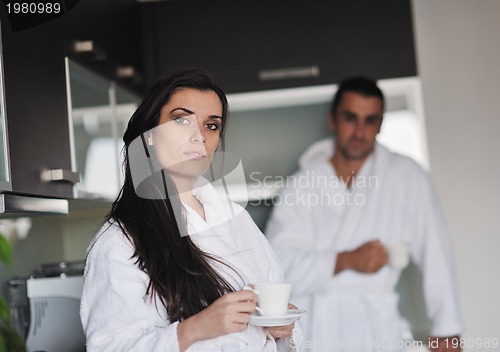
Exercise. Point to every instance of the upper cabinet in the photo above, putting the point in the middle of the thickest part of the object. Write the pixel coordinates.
(36, 110)
(4, 146)
(105, 36)
(252, 47)
(63, 84)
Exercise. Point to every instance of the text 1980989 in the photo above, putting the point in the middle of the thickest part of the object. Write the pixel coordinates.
(33, 7)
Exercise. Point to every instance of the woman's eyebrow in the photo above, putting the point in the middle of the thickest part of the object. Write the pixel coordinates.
(193, 113)
(183, 109)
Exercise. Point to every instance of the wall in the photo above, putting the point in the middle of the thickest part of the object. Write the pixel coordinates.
(458, 58)
(57, 238)
(44, 244)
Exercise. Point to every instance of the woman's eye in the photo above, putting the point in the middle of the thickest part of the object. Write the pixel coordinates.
(212, 126)
(181, 120)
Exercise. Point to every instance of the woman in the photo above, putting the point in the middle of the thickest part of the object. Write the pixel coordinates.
(167, 270)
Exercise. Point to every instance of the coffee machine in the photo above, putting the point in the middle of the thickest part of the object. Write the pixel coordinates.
(45, 311)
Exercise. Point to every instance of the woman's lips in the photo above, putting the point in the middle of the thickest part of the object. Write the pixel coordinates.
(196, 154)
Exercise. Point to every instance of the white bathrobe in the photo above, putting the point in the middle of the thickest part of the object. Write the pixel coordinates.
(391, 200)
(116, 313)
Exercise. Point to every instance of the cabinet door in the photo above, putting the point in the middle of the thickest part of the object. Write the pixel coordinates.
(37, 113)
(4, 147)
(100, 112)
(239, 41)
(109, 36)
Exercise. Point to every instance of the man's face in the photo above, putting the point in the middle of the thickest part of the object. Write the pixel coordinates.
(356, 123)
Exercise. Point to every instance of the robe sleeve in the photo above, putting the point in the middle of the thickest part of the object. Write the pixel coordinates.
(293, 233)
(432, 253)
(115, 311)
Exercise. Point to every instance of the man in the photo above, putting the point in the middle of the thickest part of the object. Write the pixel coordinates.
(333, 224)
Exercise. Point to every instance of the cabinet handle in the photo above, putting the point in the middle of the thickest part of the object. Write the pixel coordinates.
(89, 47)
(128, 72)
(289, 73)
(125, 71)
(60, 175)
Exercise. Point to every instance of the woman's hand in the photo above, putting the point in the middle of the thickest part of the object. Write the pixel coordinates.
(230, 313)
(280, 332)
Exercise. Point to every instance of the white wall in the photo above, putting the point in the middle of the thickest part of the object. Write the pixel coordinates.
(52, 239)
(458, 53)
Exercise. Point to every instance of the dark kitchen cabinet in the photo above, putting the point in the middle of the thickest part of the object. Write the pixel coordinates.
(238, 41)
(40, 128)
(105, 37)
(36, 110)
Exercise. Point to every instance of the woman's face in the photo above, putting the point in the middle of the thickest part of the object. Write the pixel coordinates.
(189, 132)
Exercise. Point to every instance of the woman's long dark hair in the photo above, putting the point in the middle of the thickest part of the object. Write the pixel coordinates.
(180, 274)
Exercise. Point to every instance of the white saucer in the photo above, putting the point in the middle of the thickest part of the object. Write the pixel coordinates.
(291, 316)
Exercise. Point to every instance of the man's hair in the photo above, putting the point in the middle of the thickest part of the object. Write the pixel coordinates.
(362, 85)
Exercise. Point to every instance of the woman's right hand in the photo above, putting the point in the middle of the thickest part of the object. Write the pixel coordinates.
(230, 313)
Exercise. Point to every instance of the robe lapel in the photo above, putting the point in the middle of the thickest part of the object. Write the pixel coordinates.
(362, 199)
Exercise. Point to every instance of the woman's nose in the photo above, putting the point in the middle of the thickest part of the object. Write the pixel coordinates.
(198, 135)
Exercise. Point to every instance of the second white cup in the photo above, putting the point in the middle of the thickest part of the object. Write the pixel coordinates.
(272, 297)
(399, 254)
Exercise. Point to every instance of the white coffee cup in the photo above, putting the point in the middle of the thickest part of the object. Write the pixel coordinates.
(399, 254)
(272, 297)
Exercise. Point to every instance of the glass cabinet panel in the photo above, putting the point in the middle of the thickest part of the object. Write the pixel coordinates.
(126, 104)
(99, 110)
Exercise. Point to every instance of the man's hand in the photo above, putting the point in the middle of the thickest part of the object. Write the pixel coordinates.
(445, 344)
(368, 258)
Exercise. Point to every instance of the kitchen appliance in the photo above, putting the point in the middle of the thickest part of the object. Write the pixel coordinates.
(45, 310)
(55, 320)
